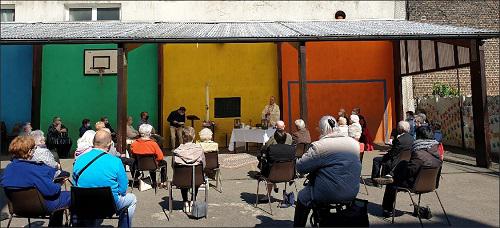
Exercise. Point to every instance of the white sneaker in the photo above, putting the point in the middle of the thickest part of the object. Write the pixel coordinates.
(186, 208)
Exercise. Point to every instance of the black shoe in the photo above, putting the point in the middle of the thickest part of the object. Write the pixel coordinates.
(276, 190)
(387, 214)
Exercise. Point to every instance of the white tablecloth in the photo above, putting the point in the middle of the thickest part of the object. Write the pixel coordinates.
(249, 135)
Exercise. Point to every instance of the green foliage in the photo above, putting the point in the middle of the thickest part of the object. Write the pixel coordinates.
(443, 90)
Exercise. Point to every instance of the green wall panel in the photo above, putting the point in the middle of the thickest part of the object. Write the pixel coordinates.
(67, 93)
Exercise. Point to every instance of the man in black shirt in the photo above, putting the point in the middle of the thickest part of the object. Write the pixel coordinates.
(176, 120)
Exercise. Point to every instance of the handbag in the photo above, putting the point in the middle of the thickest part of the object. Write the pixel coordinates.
(354, 214)
(288, 199)
(199, 208)
(145, 184)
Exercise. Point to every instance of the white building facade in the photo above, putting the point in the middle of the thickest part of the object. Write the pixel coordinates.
(197, 11)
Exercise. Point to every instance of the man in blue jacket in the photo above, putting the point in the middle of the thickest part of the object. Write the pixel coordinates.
(106, 171)
(333, 160)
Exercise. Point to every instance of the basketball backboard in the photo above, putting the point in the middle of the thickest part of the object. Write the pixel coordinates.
(100, 61)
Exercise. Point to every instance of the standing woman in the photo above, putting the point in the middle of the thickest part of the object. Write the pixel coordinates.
(57, 138)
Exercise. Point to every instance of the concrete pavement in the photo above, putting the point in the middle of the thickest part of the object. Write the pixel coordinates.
(470, 196)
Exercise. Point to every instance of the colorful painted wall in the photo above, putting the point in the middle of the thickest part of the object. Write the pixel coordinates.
(446, 110)
(15, 84)
(67, 93)
(248, 71)
(342, 75)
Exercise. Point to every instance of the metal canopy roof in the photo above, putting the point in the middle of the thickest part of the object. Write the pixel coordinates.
(188, 32)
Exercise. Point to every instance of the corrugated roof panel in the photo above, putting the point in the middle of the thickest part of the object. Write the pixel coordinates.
(232, 31)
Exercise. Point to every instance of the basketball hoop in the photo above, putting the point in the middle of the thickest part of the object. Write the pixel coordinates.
(100, 70)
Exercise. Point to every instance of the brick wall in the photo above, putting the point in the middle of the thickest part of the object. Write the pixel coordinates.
(482, 14)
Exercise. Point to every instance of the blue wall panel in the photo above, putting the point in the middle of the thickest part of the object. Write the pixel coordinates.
(16, 67)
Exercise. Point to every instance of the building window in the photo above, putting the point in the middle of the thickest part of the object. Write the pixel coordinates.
(108, 14)
(8, 13)
(80, 14)
(94, 13)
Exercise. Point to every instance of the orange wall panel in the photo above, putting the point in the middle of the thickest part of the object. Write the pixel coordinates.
(342, 74)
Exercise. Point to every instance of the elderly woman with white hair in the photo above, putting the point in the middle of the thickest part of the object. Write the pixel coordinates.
(145, 145)
(206, 141)
(302, 134)
(188, 154)
(41, 153)
(334, 168)
(85, 143)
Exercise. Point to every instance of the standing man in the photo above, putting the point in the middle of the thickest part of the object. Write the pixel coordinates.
(177, 118)
(271, 112)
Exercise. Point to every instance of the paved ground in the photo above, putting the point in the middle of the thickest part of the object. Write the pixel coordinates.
(470, 196)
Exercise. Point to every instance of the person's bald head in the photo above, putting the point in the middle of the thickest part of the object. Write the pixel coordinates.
(102, 139)
(280, 125)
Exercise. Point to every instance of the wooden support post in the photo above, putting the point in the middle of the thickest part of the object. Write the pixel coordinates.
(280, 80)
(160, 90)
(36, 86)
(398, 85)
(121, 114)
(303, 82)
(479, 104)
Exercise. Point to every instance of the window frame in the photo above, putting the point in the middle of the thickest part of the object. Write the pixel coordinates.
(8, 7)
(94, 8)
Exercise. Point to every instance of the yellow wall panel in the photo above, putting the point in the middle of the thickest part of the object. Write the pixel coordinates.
(248, 71)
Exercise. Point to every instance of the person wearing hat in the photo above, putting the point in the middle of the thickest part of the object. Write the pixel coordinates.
(176, 119)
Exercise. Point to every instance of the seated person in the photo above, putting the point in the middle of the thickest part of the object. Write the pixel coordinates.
(42, 154)
(85, 143)
(85, 127)
(402, 141)
(302, 134)
(131, 132)
(334, 170)
(424, 152)
(23, 173)
(206, 141)
(344, 128)
(188, 154)
(275, 153)
(145, 145)
(106, 171)
(280, 131)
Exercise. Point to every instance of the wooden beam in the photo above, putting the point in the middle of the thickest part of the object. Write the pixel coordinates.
(36, 86)
(407, 66)
(131, 46)
(436, 54)
(420, 58)
(438, 69)
(160, 89)
(398, 85)
(482, 145)
(280, 79)
(458, 42)
(121, 114)
(303, 82)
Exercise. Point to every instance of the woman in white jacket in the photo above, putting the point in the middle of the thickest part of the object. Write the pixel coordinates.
(188, 154)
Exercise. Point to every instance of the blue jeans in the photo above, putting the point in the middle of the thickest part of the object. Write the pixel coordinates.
(123, 201)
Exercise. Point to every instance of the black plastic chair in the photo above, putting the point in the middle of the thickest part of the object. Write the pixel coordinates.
(147, 163)
(280, 172)
(183, 178)
(212, 166)
(94, 203)
(427, 181)
(26, 203)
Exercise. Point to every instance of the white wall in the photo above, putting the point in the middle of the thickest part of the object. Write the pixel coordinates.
(49, 11)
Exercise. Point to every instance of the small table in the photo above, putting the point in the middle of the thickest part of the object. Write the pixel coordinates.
(249, 135)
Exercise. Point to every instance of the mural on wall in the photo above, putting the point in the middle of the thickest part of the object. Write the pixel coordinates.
(446, 110)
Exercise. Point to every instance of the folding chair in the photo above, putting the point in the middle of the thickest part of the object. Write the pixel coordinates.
(94, 203)
(147, 163)
(281, 172)
(426, 182)
(27, 203)
(183, 178)
(300, 149)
